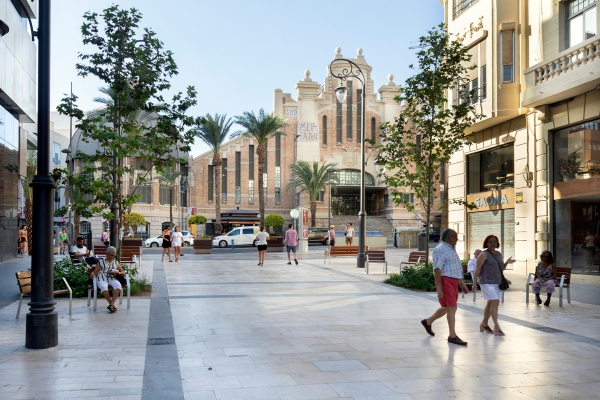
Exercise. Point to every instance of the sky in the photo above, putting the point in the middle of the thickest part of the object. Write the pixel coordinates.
(237, 52)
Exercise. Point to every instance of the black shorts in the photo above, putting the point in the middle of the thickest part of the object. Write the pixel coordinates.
(262, 247)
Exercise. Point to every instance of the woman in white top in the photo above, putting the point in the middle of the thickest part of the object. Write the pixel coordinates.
(176, 242)
(262, 237)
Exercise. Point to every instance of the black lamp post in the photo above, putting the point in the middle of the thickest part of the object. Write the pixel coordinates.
(41, 330)
(329, 171)
(354, 71)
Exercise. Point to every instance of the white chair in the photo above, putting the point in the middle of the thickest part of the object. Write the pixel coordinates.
(94, 288)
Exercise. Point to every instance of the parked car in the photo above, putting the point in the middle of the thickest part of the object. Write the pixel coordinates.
(318, 235)
(434, 234)
(240, 235)
(188, 240)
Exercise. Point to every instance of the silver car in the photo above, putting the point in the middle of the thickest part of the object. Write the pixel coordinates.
(188, 240)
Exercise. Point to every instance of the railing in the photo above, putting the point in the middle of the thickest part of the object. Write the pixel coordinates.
(461, 6)
(567, 61)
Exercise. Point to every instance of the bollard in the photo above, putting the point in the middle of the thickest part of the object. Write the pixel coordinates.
(409, 244)
(232, 244)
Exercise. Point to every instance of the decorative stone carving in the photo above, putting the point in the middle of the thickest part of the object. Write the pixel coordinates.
(323, 105)
(308, 131)
(287, 98)
(291, 112)
(350, 157)
(376, 108)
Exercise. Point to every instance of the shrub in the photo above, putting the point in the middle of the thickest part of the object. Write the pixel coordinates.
(274, 220)
(197, 220)
(76, 275)
(140, 286)
(418, 276)
(134, 220)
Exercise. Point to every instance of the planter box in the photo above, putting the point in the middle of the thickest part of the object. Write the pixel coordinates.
(202, 246)
(132, 242)
(275, 245)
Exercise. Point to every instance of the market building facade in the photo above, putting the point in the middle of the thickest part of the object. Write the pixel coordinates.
(532, 168)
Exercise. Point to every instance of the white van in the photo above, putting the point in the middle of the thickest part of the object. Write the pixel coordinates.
(240, 235)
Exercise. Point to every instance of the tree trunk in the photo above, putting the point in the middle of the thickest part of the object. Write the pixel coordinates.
(260, 152)
(76, 223)
(313, 212)
(29, 225)
(171, 207)
(217, 179)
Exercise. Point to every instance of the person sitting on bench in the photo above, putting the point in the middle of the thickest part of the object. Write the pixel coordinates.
(106, 270)
(79, 251)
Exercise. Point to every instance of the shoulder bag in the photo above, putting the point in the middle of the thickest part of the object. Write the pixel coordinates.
(503, 282)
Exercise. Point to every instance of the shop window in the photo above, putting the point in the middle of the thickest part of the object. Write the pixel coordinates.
(491, 170)
(581, 21)
(577, 152)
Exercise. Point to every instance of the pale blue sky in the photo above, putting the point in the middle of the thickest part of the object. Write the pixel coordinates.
(237, 52)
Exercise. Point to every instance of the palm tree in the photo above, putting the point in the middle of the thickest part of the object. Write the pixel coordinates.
(213, 131)
(260, 128)
(28, 193)
(313, 179)
(169, 178)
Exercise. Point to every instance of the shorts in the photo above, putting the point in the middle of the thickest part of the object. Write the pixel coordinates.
(450, 288)
(349, 241)
(332, 242)
(22, 240)
(262, 247)
(291, 249)
(490, 291)
(103, 285)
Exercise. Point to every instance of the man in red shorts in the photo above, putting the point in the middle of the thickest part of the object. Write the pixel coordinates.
(448, 273)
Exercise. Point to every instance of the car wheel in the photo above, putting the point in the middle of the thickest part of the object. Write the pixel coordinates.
(153, 244)
(324, 243)
(255, 243)
(186, 244)
(222, 244)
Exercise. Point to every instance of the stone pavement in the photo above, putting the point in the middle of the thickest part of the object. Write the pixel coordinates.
(221, 327)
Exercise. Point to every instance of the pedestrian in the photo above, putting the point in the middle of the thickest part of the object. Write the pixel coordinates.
(545, 277)
(332, 236)
(473, 261)
(166, 244)
(349, 233)
(262, 237)
(489, 271)
(105, 237)
(63, 239)
(23, 240)
(291, 241)
(447, 271)
(176, 241)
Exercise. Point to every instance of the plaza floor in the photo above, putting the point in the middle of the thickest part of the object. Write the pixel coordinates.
(221, 327)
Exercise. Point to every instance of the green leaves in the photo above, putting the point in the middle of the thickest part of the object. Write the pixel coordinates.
(311, 177)
(261, 127)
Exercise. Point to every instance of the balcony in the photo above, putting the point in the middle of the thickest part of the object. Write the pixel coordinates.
(570, 73)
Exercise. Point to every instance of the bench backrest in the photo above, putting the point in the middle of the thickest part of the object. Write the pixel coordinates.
(24, 281)
(560, 271)
(376, 255)
(415, 255)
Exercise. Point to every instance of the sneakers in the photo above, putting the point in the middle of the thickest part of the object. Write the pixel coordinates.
(289, 263)
(427, 327)
(296, 261)
(456, 340)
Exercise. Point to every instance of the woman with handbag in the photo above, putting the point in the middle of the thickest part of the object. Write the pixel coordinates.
(489, 270)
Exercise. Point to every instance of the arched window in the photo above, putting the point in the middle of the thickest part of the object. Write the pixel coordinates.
(324, 130)
(373, 129)
(351, 177)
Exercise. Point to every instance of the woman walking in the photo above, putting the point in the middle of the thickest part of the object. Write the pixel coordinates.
(176, 241)
(63, 239)
(23, 240)
(166, 244)
(545, 276)
(489, 271)
(262, 237)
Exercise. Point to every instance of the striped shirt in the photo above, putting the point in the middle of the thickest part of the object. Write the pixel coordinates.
(105, 268)
(447, 261)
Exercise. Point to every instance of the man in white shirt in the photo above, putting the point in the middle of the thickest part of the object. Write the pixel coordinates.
(79, 251)
(472, 265)
(349, 234)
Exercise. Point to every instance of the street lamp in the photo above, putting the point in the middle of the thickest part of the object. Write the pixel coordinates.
(41, 331)
(354, 71)
(3, 28)
(329, 171)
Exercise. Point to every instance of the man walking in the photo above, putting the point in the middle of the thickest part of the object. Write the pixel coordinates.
(447, 271)
(291, 241)
(349, 233)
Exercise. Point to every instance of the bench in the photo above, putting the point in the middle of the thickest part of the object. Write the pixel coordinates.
(24, 282)
(465, 272)
(129, 254)
(376, 256)
(341, 251)
(413, 258)
(565, 283)
(93, 286)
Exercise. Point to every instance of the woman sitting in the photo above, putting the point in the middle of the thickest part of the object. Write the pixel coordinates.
(106, 270)
(545, 276)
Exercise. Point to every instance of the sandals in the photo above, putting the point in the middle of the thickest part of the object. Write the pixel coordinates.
(112, 309)
(485, 329)
(499, 333)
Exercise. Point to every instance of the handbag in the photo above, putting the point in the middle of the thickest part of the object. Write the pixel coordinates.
(503, 282)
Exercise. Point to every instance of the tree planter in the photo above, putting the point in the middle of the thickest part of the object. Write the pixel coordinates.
(132, 242)
(275, 245)
(202, 246)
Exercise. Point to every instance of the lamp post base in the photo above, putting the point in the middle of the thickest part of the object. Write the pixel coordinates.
(41, 331)
(362, 238)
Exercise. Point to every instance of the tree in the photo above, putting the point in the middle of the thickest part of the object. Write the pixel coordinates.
(260, 128)
(135, 73)
(169, 178)
(134, 220)
(213, 131)
(274, 220)
(313, 179)
(428, 130)
(78, 204)
(197, 220)
(28, 193)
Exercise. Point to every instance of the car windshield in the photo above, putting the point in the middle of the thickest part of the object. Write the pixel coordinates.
(234, 233)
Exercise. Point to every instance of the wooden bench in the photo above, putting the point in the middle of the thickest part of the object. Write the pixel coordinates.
(413, 258)
(341, 251)
(565, 283)
(24, 282)
(129, 254)
(376, 256)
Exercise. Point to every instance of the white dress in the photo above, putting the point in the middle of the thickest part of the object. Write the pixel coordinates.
(176, 239)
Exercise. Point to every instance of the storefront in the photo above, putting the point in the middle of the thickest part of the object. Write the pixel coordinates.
(576, 195)
(491, 196)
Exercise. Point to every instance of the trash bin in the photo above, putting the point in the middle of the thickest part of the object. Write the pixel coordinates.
(422, 241)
